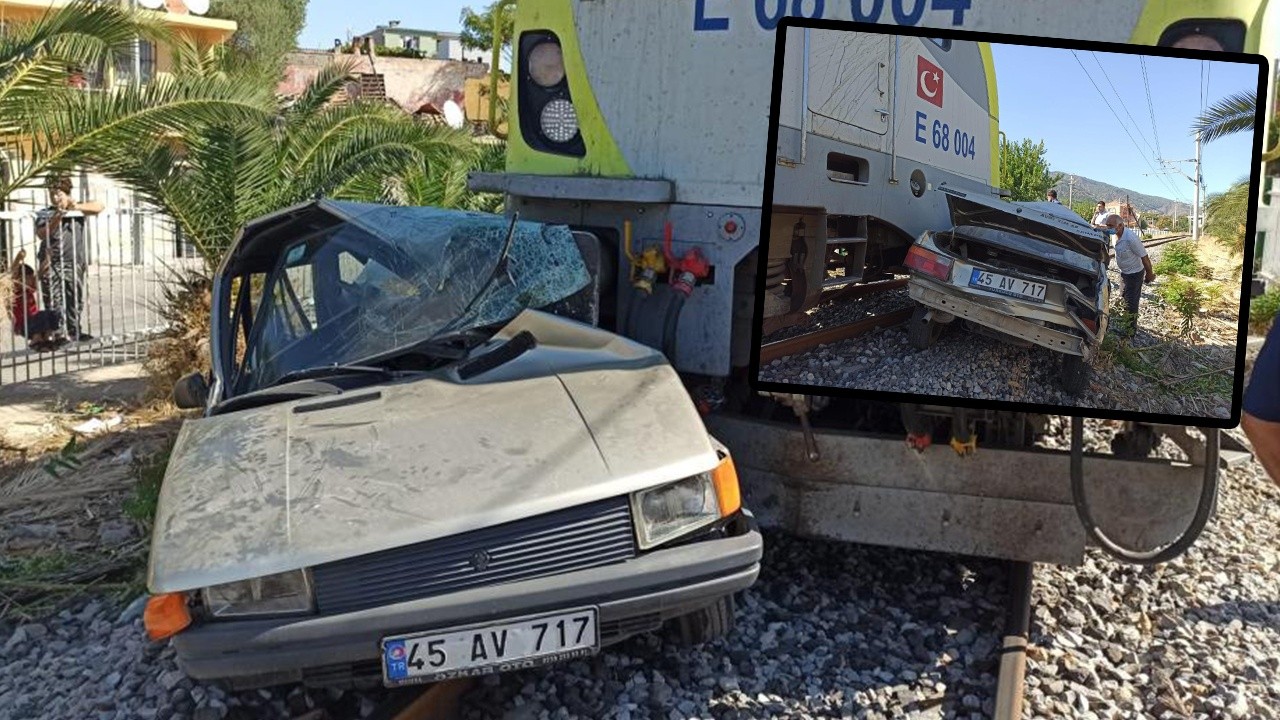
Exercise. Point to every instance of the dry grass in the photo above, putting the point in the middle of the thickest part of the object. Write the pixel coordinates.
(184, 346)
(64, 500)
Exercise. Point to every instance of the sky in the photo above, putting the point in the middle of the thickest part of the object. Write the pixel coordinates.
(1045, 94)
(329, 19)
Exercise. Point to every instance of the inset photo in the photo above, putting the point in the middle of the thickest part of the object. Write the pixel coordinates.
(970, 218)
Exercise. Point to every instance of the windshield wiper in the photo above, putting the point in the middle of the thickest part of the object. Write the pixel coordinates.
(521, 343)
(331, 370)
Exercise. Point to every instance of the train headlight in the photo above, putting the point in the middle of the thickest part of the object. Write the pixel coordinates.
(1196, 41)
(548, 118)
(546, 64)
(559, 121)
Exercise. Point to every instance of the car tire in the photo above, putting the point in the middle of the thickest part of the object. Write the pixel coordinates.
(1075, 375)
(922, 333)
(706, 624)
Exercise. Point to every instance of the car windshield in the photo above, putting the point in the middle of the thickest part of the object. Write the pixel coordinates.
(387, 278)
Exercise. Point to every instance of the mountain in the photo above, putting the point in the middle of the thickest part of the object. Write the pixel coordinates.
(1095, 190)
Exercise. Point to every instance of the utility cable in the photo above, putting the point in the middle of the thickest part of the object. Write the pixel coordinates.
(1120, 122)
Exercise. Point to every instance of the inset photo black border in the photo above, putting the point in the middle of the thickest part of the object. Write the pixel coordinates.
(771, 158)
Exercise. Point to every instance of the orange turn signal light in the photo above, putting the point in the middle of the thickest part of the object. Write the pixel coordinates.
(725, 479)
(166, 615)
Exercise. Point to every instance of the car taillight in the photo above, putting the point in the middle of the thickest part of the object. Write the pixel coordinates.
(929, 263)
(1091, 324)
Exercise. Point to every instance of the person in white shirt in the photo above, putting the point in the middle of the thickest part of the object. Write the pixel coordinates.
(1133, 263)
(1100, 215)
(1052, 196)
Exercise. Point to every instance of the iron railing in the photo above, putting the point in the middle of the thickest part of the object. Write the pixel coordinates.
(1267, 250)
(122, 264)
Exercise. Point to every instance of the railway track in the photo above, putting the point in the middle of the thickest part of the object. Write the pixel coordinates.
(807, 341)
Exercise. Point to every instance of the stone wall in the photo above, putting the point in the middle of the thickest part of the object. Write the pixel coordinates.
(410, 83)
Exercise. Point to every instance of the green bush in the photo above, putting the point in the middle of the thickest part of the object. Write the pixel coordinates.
(1263, 309)
(1188, 297)
(1179, 259)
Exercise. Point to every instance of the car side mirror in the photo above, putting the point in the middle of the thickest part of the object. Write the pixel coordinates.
(191, 391)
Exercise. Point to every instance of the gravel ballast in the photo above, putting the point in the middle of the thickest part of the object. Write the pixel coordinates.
(964, 364)
(831, 630)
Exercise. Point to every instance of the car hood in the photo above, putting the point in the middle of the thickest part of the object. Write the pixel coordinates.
(1048, 224)
(584, 416)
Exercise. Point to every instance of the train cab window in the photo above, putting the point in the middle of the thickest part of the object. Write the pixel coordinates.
(944, 44)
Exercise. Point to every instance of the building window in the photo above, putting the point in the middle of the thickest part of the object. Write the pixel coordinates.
(146, 64)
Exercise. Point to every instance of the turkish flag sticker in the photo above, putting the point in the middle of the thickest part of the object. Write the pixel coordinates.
(928, 81)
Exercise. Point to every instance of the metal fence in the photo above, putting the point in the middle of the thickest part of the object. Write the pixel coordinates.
(1266, 263)
(128, 257)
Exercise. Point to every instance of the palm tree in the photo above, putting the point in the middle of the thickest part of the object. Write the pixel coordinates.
(1234, 114)
(1225, 215)
(216, 174)
(49, 125)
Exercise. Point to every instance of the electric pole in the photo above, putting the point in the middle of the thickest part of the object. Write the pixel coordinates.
(1071, 188)
(1195, 225)
(1197, 181)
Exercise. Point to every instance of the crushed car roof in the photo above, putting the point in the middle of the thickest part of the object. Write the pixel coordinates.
(456, 249)
(1051, 224)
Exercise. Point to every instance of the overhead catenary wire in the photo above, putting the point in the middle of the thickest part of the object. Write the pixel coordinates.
(1123, 105)
(1124, 127)
(1146, 83)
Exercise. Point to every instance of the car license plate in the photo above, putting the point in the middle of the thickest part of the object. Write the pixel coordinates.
(1006, 285)
(482, 649)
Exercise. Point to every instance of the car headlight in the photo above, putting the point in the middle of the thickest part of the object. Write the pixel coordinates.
(670, 511)
(286, 593)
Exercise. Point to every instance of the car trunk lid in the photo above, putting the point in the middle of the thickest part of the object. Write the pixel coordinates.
(1027, 220)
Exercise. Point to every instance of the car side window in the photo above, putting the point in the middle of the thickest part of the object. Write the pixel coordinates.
(299, 286)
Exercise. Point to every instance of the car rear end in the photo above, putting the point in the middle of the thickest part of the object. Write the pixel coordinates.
(977, 274)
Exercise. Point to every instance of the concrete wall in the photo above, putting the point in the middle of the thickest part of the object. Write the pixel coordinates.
(410, 83)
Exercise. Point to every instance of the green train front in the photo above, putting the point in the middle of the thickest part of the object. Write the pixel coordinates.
(656, 112)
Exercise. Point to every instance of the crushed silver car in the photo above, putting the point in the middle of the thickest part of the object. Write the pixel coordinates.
(418, 459)
(1028, 273)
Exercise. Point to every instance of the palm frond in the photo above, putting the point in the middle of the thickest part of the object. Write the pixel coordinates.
(1225, 215)
(1231, 115)
(331, 80)
(76, 126)
(37, 55)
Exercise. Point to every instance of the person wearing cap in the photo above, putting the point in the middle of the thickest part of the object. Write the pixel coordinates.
(1052, 196)
(1134, 265)
(64, 255)
(1260, 416)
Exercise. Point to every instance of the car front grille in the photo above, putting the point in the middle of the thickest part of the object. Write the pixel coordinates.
(576, 538)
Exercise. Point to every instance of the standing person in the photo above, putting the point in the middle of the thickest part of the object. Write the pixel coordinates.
(1134, 265)
(64, 255)
(1052, 196)
(1100, 215)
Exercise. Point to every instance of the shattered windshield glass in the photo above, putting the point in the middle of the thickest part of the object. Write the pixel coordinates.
(389, 277)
